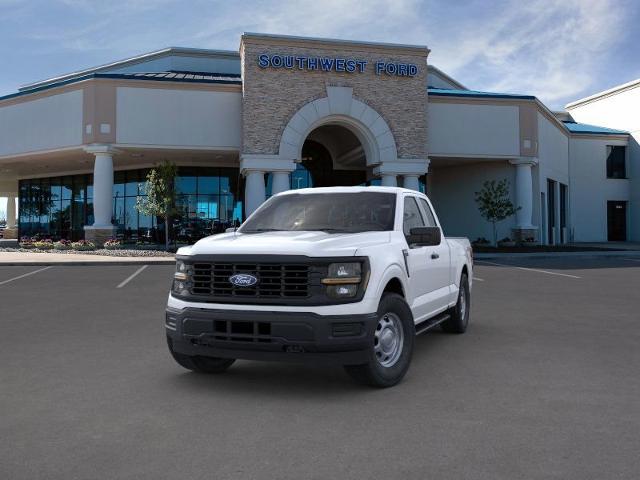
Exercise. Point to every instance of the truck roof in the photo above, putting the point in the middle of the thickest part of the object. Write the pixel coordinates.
(348, 190)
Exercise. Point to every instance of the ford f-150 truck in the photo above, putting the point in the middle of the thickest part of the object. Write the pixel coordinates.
(342, 275)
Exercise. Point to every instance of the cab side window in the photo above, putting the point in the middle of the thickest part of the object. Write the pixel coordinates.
(430, 219)
(412, 217)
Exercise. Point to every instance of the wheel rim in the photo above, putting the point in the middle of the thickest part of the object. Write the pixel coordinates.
(463, 304)
(388, 340)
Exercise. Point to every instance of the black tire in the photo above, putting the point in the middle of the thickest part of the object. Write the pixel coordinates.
(374, 373)
(459, 314)
(200, 364)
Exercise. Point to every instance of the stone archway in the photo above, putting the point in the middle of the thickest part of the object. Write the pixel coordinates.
(340, 108)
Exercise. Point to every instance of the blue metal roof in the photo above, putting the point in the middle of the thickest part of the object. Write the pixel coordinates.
(173, 76)
(575, 127)
(444, 92)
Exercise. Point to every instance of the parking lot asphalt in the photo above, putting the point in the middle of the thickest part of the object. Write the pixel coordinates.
(544, 384)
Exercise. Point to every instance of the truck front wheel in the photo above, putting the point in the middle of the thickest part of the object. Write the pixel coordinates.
(200, 364)
(391, 346)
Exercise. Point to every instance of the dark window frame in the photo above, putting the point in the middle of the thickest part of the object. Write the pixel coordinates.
(616, 164)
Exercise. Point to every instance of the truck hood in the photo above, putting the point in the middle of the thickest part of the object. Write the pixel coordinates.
(312, 244)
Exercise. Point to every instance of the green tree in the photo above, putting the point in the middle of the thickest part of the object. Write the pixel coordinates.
(160, 199)
(494, 203)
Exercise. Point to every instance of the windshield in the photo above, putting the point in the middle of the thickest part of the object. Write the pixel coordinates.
(328, 212)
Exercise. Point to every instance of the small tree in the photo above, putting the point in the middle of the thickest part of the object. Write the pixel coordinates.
(160, 193)
(494, 203)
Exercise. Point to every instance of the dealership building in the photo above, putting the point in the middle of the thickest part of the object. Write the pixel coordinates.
(289, 112)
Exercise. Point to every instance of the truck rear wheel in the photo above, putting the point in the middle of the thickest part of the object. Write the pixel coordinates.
(391, 347)
(200, 364)
(459, 315)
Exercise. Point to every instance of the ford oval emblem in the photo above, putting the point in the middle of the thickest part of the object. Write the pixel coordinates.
(243, 280)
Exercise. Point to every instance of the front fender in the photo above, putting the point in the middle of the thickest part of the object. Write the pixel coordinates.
(390, 272)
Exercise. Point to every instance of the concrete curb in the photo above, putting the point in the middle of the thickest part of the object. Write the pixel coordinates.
(597, 254)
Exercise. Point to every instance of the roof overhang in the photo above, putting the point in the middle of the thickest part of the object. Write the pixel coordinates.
(605, 93)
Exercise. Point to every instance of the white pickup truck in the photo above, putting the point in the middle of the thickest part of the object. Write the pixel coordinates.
(343, 275)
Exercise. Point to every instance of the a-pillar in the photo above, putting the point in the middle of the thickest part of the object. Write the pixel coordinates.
(524, 228)
(102, 228)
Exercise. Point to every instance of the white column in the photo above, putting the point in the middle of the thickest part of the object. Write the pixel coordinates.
(103, 190)
(389, 180)
(411, 182)
(524, 192)
(254, 194)
(11, 211)
(280, 182)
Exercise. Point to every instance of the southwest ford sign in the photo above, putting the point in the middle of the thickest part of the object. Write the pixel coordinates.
(331, 64)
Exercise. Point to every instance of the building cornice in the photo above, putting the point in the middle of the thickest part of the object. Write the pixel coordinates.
(121, 81)
(145, 57)
(604, 94)
(319, 43)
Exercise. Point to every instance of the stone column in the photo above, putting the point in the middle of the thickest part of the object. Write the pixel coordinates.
(102, 228)
(389, 180)
(411, 182)
(280, 182)
(409, 169)
(11, 232)
(253, 167)
(254, 191)
(524, 198)
(11, 211)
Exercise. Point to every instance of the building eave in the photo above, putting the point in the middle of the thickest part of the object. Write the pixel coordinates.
(603, 94)
(447, 77)
(115, 76)
(131, 61)
(292, 39)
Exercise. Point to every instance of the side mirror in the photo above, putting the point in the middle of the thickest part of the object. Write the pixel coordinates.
(424, 236)
(230, 229)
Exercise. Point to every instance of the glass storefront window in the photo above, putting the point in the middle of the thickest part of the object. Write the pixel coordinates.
(59, 207)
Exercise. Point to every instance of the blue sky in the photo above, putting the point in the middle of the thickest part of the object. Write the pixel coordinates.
(557, 50)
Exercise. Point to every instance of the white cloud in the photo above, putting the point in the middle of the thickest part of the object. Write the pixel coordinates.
(554, 49)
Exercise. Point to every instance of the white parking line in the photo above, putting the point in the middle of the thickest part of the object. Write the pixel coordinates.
(528, 269)
(476, 279)
(25, 275)
(132, 276)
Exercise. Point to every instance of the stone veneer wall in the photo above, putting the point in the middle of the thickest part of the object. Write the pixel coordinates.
(271, 96)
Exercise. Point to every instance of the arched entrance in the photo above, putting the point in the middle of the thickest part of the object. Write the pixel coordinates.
(334, 156)
(337, 139)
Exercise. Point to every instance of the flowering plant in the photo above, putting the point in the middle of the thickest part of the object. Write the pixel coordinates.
(112, 244)
(46, 244)
(83, 245)
(62, 245)
(26, 242)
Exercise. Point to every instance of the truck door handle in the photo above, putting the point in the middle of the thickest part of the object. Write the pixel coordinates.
(435, 256)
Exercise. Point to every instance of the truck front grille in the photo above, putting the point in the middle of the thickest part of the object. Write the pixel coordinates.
(274, 280)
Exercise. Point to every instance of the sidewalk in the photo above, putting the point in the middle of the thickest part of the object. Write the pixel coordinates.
(31, 258)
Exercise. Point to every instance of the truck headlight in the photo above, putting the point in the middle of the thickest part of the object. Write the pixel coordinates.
(343, 279)
(181, 279)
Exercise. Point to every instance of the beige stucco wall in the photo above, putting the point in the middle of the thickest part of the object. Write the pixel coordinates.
(272, 96)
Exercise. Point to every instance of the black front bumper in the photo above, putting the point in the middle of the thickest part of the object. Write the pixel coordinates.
(285, 336)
